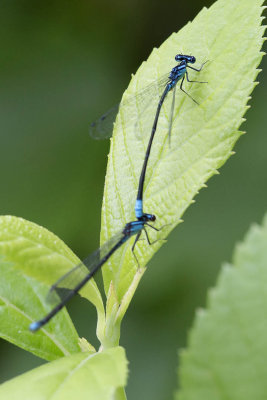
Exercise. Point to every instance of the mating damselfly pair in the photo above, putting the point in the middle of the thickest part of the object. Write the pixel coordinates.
(70, 283)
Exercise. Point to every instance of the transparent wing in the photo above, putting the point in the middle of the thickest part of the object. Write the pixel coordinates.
(69, 282)
(102, 128)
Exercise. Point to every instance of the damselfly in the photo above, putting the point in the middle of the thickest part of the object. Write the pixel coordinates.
(103, 127)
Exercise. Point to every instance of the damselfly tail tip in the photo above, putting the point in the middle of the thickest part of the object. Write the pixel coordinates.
(34, 326)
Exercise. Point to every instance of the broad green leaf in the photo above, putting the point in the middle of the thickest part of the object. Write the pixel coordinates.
(34, 252)
(229, 34)
(21, 301)
(97, 376)
(227, 351)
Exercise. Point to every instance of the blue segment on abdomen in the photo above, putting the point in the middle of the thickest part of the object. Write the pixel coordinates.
(138, 208)
(34, 326)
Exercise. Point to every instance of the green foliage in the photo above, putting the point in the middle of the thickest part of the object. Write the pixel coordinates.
(229, 35)
(33, 258)
(22, 300)
(103, 375)
(226, 356)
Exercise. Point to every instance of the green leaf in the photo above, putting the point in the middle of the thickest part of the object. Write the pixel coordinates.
(20, 303)
(227, 352)
(81, 376)
(229, 34)
(37, 258)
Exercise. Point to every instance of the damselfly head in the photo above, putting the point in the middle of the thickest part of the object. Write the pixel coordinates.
(184, 57)
(152, 217)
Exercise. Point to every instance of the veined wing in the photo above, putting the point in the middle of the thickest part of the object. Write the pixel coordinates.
(102, 128)
(71, 281)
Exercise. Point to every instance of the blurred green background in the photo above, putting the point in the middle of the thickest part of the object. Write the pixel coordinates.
(64, 63)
